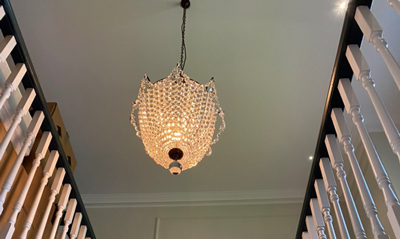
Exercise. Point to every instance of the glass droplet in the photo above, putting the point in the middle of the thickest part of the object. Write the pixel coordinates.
(209, 151)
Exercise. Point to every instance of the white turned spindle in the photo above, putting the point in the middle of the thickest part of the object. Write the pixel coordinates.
(47, 173)
(82, 232)
(373, 33)
(353, 108)
(31, 132)
(6, 46)
(324, 207)
(361, 73)
(21, 110)
(395, 4)
(55, 189)
(304, 235)
(344, 137)
(68, 217)
(312, 233)
(75, 225)
(8, 229)
(330, 185)
(337, 163)
(62, 204)
(2, 12)
(317, 217)
(12, 82)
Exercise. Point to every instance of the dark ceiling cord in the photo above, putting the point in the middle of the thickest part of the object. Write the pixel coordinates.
(183, 46)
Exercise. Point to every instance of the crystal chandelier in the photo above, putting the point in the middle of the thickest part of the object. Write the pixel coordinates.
(177, 116)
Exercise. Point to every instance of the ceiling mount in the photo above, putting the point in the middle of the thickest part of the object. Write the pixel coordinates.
(185, 4)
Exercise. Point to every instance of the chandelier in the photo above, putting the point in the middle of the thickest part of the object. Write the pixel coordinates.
(176, 116)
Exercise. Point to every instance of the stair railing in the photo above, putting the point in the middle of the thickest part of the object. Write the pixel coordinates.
(34, 104)
(316, 217)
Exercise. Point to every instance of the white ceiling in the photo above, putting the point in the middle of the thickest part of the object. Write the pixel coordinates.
(272, 61)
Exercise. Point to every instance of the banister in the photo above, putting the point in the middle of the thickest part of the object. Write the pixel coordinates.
(351, 34)
(9, 26)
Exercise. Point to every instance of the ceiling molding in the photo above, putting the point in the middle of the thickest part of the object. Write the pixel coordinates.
(194, 198)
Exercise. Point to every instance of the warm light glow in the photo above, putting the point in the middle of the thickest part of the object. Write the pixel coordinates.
(341, 7)
(311, 158)
(177, 113)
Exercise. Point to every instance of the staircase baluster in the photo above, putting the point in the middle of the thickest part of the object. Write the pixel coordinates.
(317, 217)
(373, 33)
(39, 155)
(21, 110)
(31, 132)
(47, 173)
(337, 163)
(312, 233)
(55, 189)
(353, 108)
(8, 228)
(305, 235)
(68, 217)
(362, 73)
(2, 12)
(82, 232)
(62, 204)
(344, 137)
(330, 185)
(6, 46)
(324, 207)
(75, 225)
(12, 82)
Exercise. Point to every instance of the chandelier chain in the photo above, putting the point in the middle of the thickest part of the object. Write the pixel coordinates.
(183, 46)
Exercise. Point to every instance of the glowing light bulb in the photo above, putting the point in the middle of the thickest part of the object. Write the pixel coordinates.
(341, 7)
